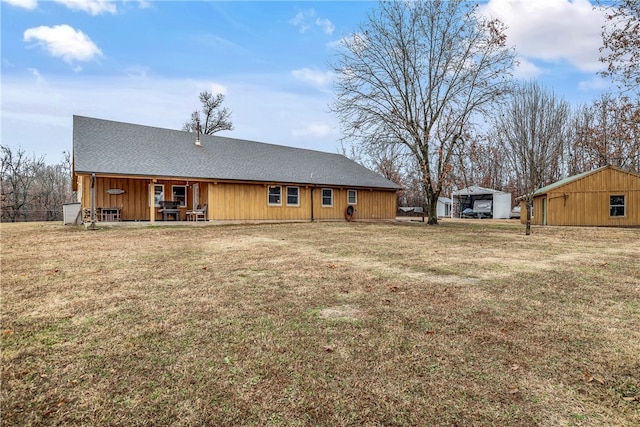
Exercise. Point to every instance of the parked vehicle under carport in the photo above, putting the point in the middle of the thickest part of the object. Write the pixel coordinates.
(481, 209)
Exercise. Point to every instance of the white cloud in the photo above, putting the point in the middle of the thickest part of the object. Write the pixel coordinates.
(595, 83)
(552, 30)
(143, 4)
(137, 71)
(221, 44)
(215, 88)
(526, 69)
(355, 41)
(299, 20)
(337, 44)
(7, 64)
(92, 7)
(25, 4)
(313, 130)
(317, 78)
(39, 79)
(304, 20)
(326, 25)
(63, 41)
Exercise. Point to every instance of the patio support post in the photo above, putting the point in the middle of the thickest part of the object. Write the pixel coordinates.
(92, 196)
(152, 203)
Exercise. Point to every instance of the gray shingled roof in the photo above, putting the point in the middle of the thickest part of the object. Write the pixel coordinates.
(108, 147)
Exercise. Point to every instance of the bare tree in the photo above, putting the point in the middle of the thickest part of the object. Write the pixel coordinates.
(414, 76)
(412, 193)
(533, 129)
(18, 172)
(607, 132)
(480, 162)
(52, 189)
(621, 43)
(31, 189)
(389, 161)
(214, 118)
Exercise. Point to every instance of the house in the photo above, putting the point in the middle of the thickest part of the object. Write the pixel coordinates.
(131, 171)
(607, 196)
(481, 202)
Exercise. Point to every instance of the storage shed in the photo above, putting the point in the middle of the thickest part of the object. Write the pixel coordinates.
(607, 196)
(480, 202)
(444, 207)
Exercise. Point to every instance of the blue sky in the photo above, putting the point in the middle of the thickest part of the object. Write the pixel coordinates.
(146, 61)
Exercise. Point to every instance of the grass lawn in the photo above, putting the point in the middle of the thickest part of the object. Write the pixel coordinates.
(320, 324)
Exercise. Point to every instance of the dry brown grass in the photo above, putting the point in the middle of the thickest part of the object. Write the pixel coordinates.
(334, 324)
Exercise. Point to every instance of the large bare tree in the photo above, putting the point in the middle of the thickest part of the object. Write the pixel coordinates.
(214, 117)
(533, 128)
(18, 174)
(32, 190)
(480, 162)
(621, 43)
(52, 189)
(413, 77)
(607, 132)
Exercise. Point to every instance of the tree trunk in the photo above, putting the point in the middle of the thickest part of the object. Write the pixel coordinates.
(528, 205)
(432, 206)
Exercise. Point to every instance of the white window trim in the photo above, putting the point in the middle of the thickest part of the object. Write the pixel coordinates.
(322, 197)
(173, 187)
(297, 196)
(355, 192)
(156, 202)
(269, 194)
(196, 196)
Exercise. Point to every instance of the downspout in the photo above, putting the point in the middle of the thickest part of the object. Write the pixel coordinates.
(312, 216)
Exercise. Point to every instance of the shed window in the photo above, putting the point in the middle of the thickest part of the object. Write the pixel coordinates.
(293, 196)
(616, 205)
(275, 195)
(352, 197)
(327, 197)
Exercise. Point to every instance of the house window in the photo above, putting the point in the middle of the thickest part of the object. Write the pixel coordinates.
(352, 197)
(327, 197)
(179, 195)
(158, 194)
(616, 205)
(275, 195)
(293, 196)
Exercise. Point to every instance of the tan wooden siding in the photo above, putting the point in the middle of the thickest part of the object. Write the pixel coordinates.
(238, 201)
(135, 199)
(235, 201)
(586, 201)
(371, 205)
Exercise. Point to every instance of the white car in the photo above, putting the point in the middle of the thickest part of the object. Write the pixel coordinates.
(515, 213)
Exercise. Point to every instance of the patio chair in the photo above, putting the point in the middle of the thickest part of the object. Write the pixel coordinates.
(196, 214)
